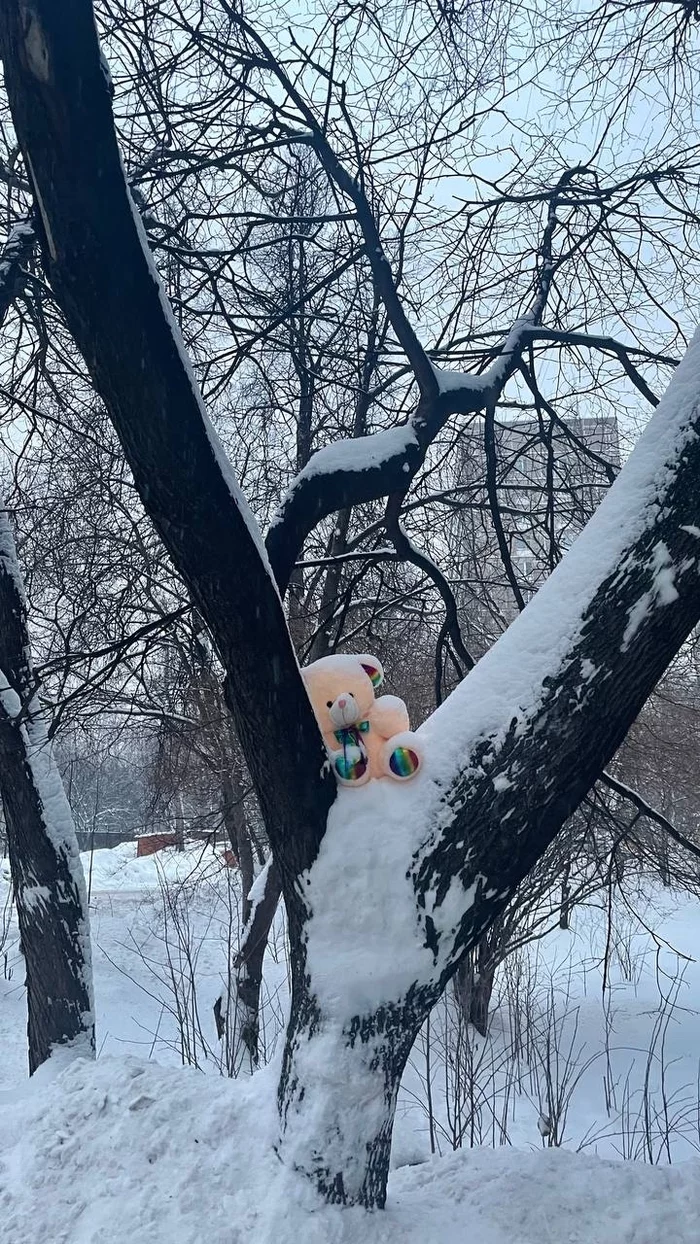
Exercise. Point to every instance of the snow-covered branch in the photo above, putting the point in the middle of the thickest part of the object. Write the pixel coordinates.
(370, 467)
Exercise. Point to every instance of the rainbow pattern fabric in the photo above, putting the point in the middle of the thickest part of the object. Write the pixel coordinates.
(403, 762)
(351, 764)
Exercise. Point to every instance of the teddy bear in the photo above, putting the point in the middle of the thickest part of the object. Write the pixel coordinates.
(365, 737)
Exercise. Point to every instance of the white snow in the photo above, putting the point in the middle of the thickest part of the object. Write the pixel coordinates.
(663, 591)
(359, 454)
(257, 890)
(454, 381)
(36, 896)
(501, 782)
(490, 381)
(121, 1152)
(8, 554)
(119, 869)
(363, 941)
(10, 701)
(129, 1149)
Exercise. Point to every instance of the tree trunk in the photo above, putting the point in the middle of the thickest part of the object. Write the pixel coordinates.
(473, 985)
(337, 1096)
(236, 826)
(482, 989)
(179, 822)
(238, 1011)
(47, 876)
(519, 743)
(565, 901)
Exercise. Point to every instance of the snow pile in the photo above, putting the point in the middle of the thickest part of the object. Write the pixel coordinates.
(123, 1151)
(128, 1150)
(363, 901)
(112, 869)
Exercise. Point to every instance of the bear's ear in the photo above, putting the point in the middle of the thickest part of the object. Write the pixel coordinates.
(373, 668)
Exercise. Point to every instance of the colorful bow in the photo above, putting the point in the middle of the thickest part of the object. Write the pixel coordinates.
(347, 737)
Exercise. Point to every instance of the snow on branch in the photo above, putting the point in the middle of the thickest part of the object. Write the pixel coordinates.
(355, 471)
(366, 468)
(513, 750)
(16, 253)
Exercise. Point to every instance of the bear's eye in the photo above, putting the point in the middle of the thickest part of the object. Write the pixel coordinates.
(329, 703)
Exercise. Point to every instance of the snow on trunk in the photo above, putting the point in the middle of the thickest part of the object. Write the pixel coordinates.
(366, 940)
(408, 878)
(240, 1023)
(337, 1099)
(47, 876)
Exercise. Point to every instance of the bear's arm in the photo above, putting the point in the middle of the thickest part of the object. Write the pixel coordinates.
(389, 716)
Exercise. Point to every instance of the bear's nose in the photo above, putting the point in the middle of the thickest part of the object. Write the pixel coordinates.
(342, 702)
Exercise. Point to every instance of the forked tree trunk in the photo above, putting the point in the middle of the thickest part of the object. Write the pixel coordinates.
(517, 745)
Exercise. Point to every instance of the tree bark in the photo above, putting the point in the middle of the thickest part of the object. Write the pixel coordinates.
(473, 984)
(337, 1095)
(238, 1011)
(565, 901)
(47, 876)
(243, 1008)
(482, 989)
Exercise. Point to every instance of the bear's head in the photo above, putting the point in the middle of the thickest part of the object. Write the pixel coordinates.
(341, 689)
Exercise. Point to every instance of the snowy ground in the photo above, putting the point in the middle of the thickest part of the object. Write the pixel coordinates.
(136, 1148)
(128, 1151)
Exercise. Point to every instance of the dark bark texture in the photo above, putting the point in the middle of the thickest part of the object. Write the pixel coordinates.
(51, 903)
(548, 762)
(349, 1164)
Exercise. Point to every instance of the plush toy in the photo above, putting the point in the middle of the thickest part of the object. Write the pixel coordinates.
(366, 738)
